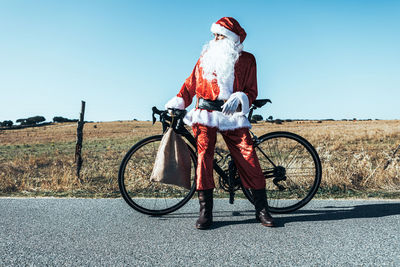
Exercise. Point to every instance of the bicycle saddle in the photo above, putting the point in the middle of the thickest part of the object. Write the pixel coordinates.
(258, 103)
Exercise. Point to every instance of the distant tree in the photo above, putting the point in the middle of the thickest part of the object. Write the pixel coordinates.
(257, 117)
(31, 120)
(59, 119)
(6, 123)
(35, 120)
(62, 119)
(278, 121)
(21, 121)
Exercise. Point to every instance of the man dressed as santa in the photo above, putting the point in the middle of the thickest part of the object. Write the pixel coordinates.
(224, 82)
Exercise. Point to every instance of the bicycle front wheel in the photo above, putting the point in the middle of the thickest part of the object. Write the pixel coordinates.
(139, 192)
(292, 169)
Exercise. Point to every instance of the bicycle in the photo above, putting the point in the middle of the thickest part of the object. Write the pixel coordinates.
(290, 164)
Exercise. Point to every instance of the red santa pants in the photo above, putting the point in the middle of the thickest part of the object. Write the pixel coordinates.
(239, 143)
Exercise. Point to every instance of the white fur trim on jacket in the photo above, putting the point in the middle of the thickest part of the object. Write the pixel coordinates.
(175, 102)
(216, 28)
(217, 119)
(225, 87)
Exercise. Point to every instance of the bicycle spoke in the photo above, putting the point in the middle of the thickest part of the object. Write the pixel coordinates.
(270, 152)
(277, 152)
(298, 168)
(290, 152)
(298, 187)
(262, 152)
(155, 202)
(165, 200)
(294, 157)
(301, 174)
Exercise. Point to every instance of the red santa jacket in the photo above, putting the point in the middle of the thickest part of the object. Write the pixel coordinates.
(245, 80)
(243, 86)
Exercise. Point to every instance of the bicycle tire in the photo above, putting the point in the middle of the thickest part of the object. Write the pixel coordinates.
(145, 196)
(299, 188)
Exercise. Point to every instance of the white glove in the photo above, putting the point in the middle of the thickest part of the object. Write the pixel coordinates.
(231, 105)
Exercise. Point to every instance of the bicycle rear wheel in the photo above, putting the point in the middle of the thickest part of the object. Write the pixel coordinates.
(292, 162)
(139, 192)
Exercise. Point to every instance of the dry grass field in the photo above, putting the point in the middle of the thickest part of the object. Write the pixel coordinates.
(357, 156)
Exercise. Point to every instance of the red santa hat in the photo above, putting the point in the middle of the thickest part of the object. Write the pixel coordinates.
(230, 28)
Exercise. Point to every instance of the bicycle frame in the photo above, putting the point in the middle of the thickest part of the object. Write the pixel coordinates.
(274, 150)
(179, 127)
(227, 176)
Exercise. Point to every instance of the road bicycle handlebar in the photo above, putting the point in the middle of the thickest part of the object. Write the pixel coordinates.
(170, 118)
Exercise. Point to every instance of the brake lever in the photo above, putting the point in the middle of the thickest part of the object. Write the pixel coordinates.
(155, 111)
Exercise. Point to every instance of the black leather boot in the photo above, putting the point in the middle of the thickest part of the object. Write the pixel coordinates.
(261, 205)
(206, 205)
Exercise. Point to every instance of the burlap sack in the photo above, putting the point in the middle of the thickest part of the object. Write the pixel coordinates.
(172, 164)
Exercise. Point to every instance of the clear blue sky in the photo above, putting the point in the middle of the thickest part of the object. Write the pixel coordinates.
(316, 59)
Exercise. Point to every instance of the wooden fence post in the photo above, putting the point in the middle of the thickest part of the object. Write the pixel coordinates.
(79, 139)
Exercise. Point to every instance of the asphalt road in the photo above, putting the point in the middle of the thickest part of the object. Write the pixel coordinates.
(107, 232)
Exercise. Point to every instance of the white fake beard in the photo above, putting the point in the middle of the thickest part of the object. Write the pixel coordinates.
(218, 62)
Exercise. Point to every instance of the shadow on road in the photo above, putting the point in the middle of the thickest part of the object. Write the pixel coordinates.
(218, 217)
(328, 213)
(335, 213)
(216, 214)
